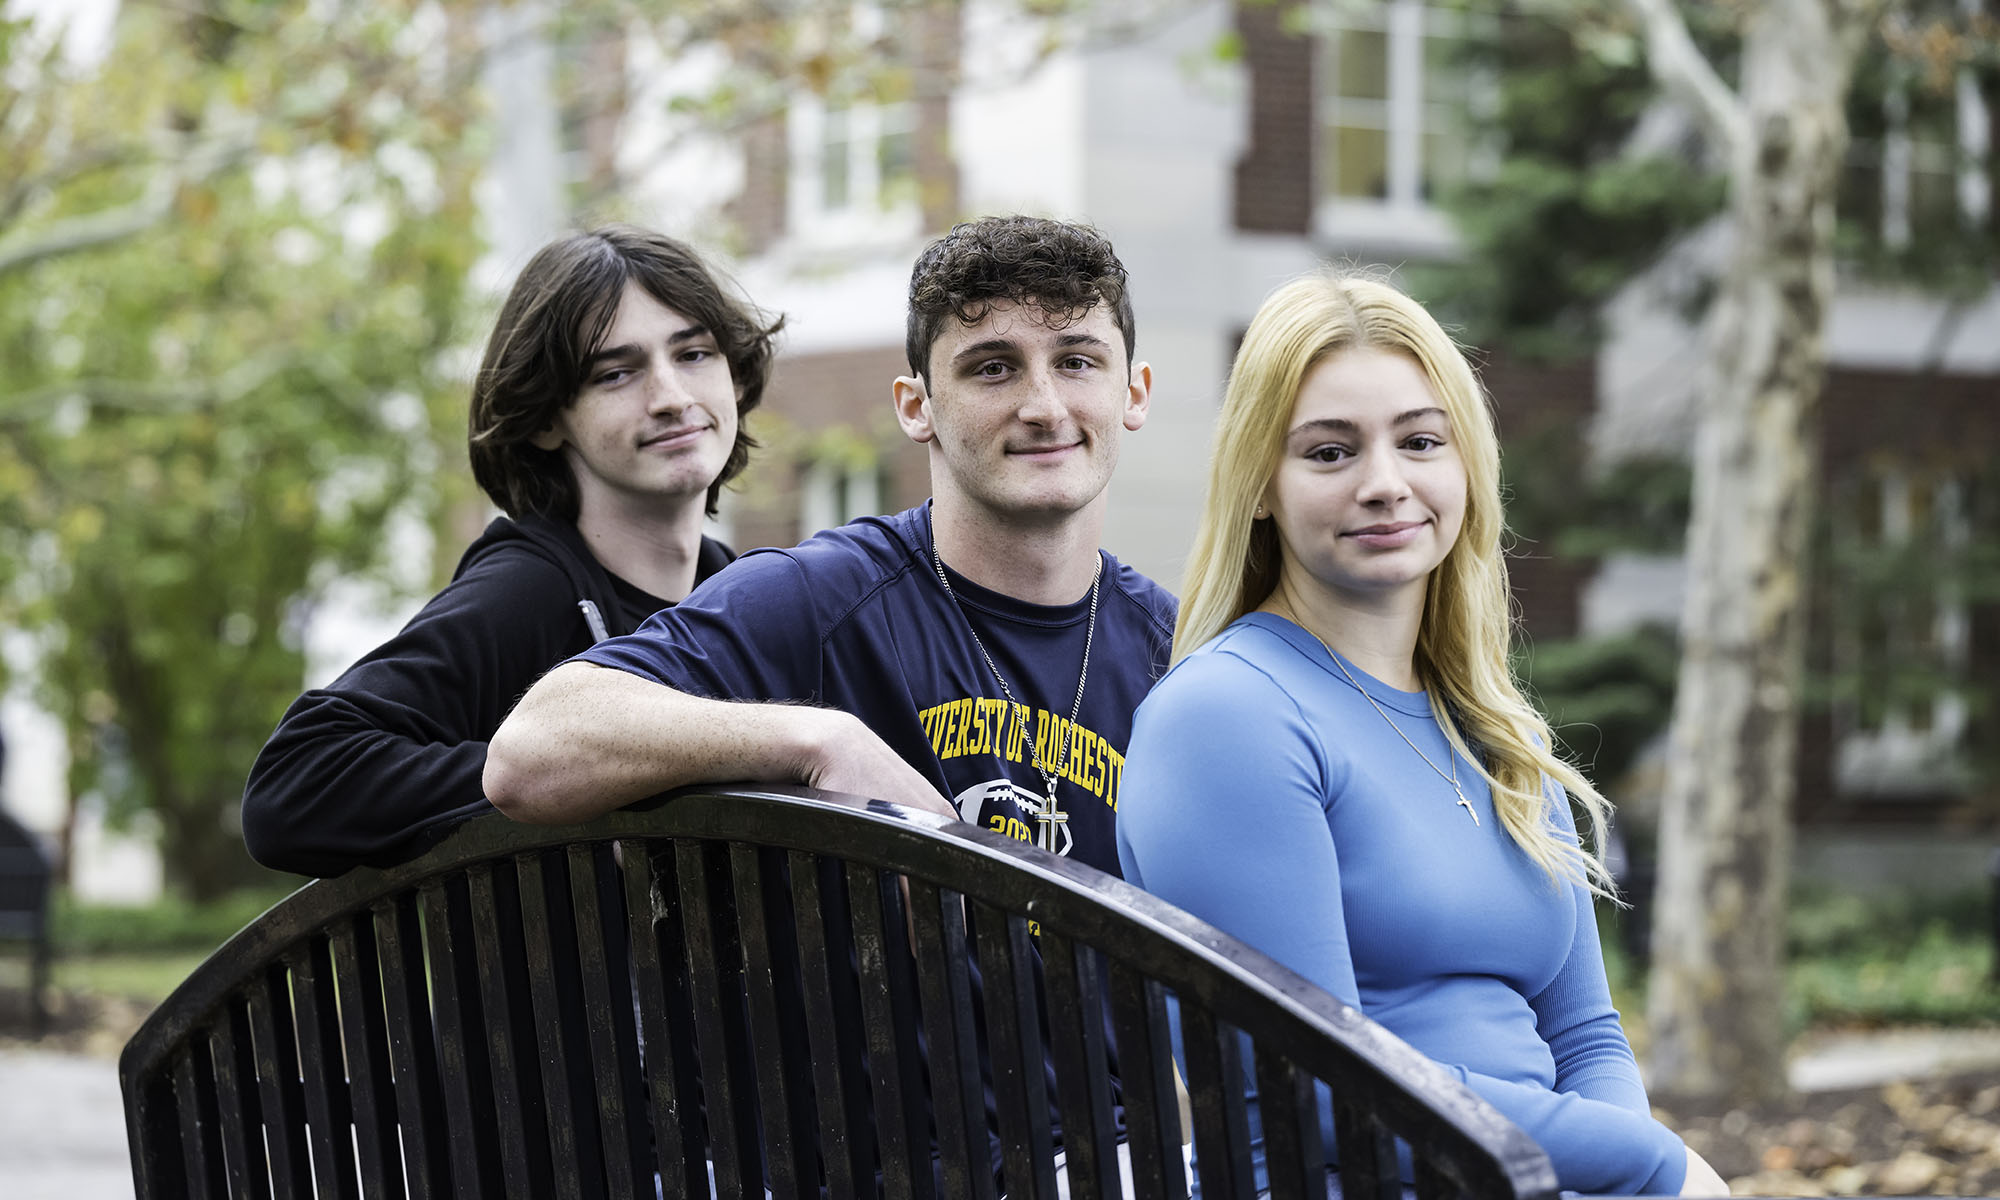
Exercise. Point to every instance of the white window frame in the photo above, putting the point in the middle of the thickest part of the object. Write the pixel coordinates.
(864, 220)
(1403, 218)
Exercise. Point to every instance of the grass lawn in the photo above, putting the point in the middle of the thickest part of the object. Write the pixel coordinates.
(131, 975)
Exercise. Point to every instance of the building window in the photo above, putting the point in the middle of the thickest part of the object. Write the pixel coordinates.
(1393, 128)
(836, 166)
(1356, 160)
(833, 492)
(855, 166)
(1918, 160)
(1903, 633)
(867, 157)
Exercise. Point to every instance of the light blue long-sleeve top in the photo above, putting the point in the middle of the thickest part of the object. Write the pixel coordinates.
(1265, 795)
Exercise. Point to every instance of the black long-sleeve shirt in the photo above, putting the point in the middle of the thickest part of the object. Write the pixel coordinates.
(376, 766)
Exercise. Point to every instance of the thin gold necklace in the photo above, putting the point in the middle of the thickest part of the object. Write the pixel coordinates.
(1452, 778)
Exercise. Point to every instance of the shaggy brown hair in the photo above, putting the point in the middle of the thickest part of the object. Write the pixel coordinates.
(1063, 269)
(556, 318)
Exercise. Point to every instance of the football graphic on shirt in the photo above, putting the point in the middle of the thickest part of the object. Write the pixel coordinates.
(1006, 807)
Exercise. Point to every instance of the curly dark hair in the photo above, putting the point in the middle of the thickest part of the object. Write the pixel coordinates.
(553, 321)
(1064, 269)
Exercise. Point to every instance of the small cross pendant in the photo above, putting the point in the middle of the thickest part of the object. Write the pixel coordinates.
(1047, 818)
(1465, 804)
(1045, 836)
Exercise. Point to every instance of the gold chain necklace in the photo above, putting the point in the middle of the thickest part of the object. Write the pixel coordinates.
(1048, 814)
(1452, 778)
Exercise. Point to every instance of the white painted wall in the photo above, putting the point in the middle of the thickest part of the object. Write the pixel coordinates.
(521, 196)
(33, 786)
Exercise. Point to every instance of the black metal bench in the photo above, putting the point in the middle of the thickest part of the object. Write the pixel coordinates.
(25, 878)
(792, 990)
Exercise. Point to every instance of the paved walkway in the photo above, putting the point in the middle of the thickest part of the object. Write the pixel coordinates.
(62, 1128)
(1855, 1060)
(62, 1125)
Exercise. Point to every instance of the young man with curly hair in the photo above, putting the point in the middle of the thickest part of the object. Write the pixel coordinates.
(606, 417)
(976, 656)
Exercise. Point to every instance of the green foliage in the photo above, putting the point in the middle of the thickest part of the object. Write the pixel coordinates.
(213, 412)
(1883, 654)
(142, 975)
(1638, 504)
(1567, 217)
(170, 924)
(1890, 960)
(1915, 74)
(1605, 697)
(1825, 922)
(1574, 208)
(1556, 501)
(1866, 960)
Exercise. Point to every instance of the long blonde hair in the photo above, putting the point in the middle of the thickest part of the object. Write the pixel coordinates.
(1462, 641)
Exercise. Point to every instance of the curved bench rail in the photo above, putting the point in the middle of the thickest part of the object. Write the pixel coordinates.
(734, 989)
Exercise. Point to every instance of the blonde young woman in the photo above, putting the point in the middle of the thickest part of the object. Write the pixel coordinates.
(1340, 769)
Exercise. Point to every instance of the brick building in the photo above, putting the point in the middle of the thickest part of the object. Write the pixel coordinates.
(1220, 176)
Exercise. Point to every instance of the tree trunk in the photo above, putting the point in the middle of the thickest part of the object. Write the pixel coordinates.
(1716, 1002)
(203, 858)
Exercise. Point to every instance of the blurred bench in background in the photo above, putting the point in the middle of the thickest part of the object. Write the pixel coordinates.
(25, 879)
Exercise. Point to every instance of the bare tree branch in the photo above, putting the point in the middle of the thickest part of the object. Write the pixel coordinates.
(1687, 75)
(79, 165)
(22, 409)
(92, 230)
(125, 395)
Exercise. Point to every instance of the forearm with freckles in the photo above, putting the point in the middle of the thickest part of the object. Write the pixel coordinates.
(587, 739)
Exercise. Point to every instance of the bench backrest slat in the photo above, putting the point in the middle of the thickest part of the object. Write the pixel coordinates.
(357, 977)
(1146, 1068)
(1074, 978)
(597, 923)
(835, 1038)
(776, 1017)
(236, 1104)
(279, 1094)
(544, 901)
(520, 1089)
(468, 1135)
(323, 1071)
(1013, 1029)
(1221, 1126)
(1289, 1106)
(421, 1127)
(890, 1020)
(655, 938)
(201, 1134)
(727, 1070)
(958, 1106)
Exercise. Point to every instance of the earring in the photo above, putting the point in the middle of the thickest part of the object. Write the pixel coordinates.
(1259, 515)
